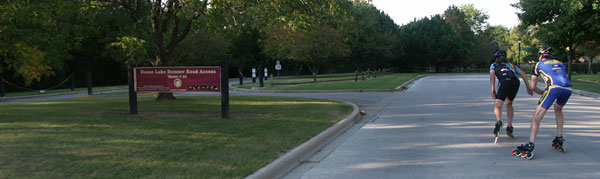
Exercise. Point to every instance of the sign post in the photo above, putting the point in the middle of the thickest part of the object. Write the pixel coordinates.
(278, 67)
(89, 82)
(72, 77)
(132, 93)
(260, 78)
(2, 91)
(224, 87)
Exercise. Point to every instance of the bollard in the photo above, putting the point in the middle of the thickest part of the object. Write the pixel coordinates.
(355, 75)
(271, 80)
(266, 74)
(253, 75)
(88, 77)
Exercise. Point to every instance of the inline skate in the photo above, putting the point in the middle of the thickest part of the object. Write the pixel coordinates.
(497, 129)
(524, 151)
(509, 132)
(557, 144)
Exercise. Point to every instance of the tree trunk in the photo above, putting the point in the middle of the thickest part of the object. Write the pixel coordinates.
(590, 66)
(570, 58)
(165, 96)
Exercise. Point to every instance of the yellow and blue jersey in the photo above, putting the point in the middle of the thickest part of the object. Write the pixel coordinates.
(553, 72)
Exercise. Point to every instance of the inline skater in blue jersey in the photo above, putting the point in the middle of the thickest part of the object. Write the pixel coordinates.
(558, 91)
(508, 86)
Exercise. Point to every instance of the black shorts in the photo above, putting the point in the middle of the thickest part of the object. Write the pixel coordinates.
(508, 89)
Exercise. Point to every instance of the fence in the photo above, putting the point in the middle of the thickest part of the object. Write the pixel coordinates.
(70, 78)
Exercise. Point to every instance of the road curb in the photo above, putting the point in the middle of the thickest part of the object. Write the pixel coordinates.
(587, 93)
(282, 165)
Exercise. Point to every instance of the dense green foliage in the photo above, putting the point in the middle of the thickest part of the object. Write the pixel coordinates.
(564, 25)
(42, 42)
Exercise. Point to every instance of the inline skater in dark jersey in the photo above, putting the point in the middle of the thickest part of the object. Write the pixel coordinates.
(558, 91)
(508, 86)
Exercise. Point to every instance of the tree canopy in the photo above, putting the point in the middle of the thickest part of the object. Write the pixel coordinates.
(42, 42)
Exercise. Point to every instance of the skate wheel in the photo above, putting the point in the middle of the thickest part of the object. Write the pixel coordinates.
(529, 157)
(562, 149)
(516, 153)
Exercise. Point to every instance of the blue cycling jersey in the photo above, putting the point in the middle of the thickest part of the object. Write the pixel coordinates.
(553, 72)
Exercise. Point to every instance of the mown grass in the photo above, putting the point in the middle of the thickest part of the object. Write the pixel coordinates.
(185, 138)
(386, 82)
(582, 82)
(267, 83)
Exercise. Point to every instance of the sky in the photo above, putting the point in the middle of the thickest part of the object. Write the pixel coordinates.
(404, 11)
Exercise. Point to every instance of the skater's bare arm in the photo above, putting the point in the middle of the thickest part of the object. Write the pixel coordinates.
(529, 90)
(534, 83)
(493, 83)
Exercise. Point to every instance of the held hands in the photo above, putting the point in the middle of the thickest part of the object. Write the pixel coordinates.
(538, 91)
(529, 91)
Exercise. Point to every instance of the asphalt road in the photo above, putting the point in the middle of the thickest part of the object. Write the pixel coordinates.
(441, 127)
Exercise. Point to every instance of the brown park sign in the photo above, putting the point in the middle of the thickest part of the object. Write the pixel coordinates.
(177, 79)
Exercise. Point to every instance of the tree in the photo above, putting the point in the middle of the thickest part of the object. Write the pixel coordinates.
(459, 21)
(314, 48)
(170, 23)
(562, 24)
(34, 38)
(370, 34)
(306, 32)
(475, 18)
(432, 42)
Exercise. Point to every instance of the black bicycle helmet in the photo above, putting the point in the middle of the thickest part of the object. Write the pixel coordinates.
(500, 53)
(546, 51)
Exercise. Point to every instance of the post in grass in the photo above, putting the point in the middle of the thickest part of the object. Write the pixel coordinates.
(225, 87)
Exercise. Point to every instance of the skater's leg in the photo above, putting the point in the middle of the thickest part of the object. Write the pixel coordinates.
(535, 122)
(510, 112)
(560, 119)
(498, 109)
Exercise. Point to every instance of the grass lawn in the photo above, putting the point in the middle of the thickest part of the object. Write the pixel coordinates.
(390, 81)
(385, 82)
(267, 83)
(586, 86)
(578, 83)
(184, 138)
